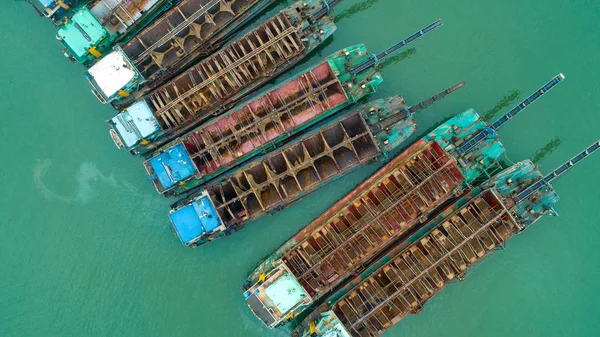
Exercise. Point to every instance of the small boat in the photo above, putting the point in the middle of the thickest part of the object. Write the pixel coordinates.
(270, 183)
(443, 249)
(348, 237)
(188, 31)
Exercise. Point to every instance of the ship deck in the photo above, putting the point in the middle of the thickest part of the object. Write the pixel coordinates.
(372, 216)
(304, 99)
(295, 170)
(119, 15)
(219, 81)
(190, 26)
(402, 286)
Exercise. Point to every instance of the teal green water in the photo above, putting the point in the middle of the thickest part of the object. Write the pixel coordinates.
(86, 248)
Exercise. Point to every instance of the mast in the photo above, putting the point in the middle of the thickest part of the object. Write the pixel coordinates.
(469, 145)
(375, 59)
(562, 169)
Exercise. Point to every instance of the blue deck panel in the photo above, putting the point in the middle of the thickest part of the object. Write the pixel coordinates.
(195, 219)
(187, 223)
(208, 214)
(172, 166)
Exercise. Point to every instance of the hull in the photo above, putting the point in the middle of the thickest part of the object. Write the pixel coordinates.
(347, 237)
(440, 251)
(95, 28)
(260, 124)
(219, 82)
(272, 182)
(191, 29)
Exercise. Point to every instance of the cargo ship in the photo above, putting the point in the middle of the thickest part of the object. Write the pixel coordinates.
(56, 10)
(96, 27)
(267, 120)
(267, 184)
(349, 236)
(270, 183)
(189, 30)
(222, 80)
(444, 249)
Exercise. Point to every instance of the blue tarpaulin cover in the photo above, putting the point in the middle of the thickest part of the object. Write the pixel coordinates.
(195, 219)
(173, 166)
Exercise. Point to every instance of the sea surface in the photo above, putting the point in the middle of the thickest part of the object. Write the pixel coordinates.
(85, 243)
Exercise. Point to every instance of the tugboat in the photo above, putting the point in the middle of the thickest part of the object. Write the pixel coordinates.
(443, 249)
(348, 237)
(97, 26)
(189, 30)
(268, 119)
(272, 182)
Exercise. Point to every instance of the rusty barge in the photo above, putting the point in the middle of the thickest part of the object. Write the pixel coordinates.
(267, 120)
(442, 250)
(188, 31)
(224, 79)
(269, 183)
(347, 238)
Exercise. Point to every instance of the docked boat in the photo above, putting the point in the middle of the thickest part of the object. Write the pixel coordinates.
(266, 120)
(349, 236)
(270, 183)
(443, 249)
(96, 27)
(56, 10)
(224, 79)
(189, 30)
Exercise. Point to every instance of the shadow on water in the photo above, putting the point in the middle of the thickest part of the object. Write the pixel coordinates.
(391, 60)
(547, 149)
(355, 9)
(503, 103)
